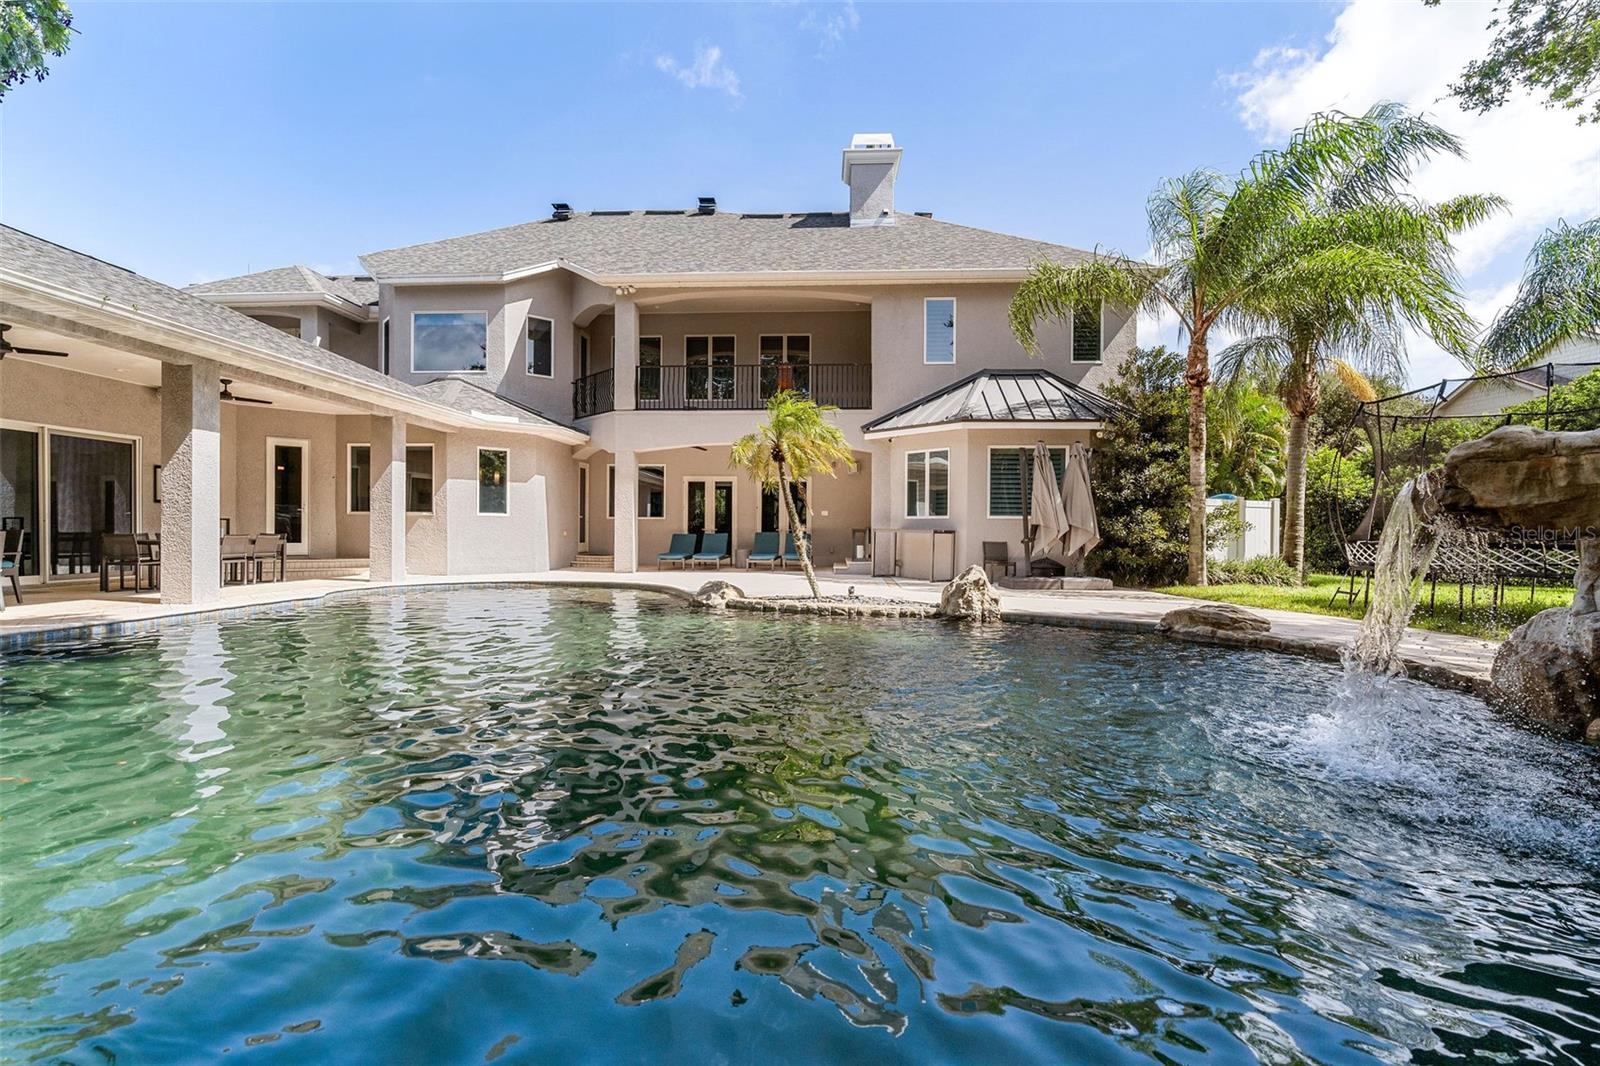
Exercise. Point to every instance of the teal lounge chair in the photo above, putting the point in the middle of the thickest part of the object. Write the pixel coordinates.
(679, 551)
(765, 550)
(791, 554)
(713, 549)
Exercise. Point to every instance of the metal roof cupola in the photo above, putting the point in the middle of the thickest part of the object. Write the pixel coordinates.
(870, 166)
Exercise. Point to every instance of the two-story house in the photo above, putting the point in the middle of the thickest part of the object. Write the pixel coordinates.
(572, 385)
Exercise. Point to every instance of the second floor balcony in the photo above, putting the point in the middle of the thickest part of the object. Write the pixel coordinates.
(742, 387)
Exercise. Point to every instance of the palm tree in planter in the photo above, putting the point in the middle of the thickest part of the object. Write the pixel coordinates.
(1397, 274)
(1220, 247)
(794, 443)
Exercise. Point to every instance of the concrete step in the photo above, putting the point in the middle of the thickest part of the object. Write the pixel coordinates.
(300, 566)
(853, 568)
(590, 561)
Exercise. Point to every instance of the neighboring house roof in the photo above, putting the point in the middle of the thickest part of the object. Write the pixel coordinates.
(38, 266)
(1492, 395)
(609, 245)
(352, 294)
(997, 396)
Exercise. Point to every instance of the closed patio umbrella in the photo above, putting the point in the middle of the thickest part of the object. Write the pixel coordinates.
(1046, 513)
(1077, 501)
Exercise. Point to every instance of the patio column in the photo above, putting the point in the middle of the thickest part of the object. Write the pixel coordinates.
(386, 526)
(625, 521)
(625, 366)
(191, 483)
(883, 488)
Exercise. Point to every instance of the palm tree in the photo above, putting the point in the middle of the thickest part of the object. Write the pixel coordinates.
(1559, 299)
(1398, 273)
(794, 443)
(1220, 245)
(1245, 427)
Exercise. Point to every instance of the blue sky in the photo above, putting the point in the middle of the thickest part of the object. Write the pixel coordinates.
(194, 141)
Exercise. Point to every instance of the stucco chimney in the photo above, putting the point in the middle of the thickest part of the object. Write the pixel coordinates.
(870, 165)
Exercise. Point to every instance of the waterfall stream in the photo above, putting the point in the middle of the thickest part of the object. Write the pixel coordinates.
(1405, 549)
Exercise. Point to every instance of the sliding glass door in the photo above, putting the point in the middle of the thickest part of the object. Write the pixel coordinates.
(20, 498)
(92, 493)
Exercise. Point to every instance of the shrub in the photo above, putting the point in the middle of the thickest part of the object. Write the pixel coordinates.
(1347, 498)
(1263, 570)
(1573, 406)
(1141, 474)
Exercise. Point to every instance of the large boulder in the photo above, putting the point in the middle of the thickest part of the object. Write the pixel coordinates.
(716, 594)
(1212, 618)
(970, 596)
(1549, 670)
(1518, 476)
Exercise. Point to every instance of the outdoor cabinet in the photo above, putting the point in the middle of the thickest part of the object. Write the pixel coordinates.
(883, 553)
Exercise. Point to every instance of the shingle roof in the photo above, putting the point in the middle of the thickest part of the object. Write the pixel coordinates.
(473, 399)
(355, 288)
(628, 243)
(999, 396)
(40, 260)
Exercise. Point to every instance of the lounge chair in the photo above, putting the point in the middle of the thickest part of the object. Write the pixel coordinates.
(765, 551)
(12, 546)
(713, 549)
(791, 553)
(997, 556)
(679, 551)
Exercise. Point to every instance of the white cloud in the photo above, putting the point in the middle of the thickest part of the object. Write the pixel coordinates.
(1542, 161)
(708, 71)
(831, 22)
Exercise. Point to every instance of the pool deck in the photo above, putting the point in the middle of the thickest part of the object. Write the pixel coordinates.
(75, 611)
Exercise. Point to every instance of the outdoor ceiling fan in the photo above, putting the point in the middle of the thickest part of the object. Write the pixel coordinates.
(7, 348)
(231, 398)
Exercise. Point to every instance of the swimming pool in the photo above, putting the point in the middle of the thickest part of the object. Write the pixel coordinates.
(516, 824)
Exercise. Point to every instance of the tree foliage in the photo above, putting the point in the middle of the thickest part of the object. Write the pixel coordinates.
(794, 443)
(30, 30)
(1574, 406)
(1245, 450)
(1550, 47)
(1557, 301)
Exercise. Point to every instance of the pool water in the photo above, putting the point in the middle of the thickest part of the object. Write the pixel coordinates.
(521, 825)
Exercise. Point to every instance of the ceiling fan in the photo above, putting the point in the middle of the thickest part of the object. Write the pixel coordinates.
(7, 348)
(231, 398)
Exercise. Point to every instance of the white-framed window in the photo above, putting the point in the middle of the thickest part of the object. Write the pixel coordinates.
(419, 479)
(449, 342)
(650, 499)
(939, 329)
(541, 347)
(928, 483)
(1087, 340)
(358, 477)
(494, 481)
(383, 345)
(1009, 471)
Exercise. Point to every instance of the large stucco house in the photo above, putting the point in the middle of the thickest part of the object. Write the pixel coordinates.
(562, 391)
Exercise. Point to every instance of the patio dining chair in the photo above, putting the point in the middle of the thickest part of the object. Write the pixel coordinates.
(270, 553)
(119, 552)
(713, 549)
(764, 552)
(997, 556)
(13, 545)
(149, 545)
(679, 550)
(237, 558)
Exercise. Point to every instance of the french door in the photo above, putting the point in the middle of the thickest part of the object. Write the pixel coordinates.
(287, 491)
(709, 362)
(708, 506)
(785, 363)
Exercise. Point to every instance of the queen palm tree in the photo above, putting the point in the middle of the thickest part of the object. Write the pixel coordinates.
(1399, 275)
(1220, 246)
(794, 443)
(1558, 300)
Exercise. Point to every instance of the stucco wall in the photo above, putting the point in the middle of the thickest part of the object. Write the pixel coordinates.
(540, 529)
(249, 467)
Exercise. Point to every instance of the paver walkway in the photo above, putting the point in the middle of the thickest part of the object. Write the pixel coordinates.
(81, 610)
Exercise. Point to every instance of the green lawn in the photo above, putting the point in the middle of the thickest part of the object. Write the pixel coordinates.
(1312, 598)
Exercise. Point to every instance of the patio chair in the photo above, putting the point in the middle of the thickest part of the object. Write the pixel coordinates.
(713, 549)
(764, 552)
(119, 552)
(237, 557)
(997, 556)
(679, 551)
(270, 550)
(13, 545)
(149, 557)
(791, 553)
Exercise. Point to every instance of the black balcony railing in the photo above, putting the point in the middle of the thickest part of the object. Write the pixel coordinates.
(749, 387)
(593, 395)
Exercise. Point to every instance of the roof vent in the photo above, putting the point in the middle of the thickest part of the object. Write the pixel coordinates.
(708, 205)
(870, 166)
(923, 214)
(560, 212)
